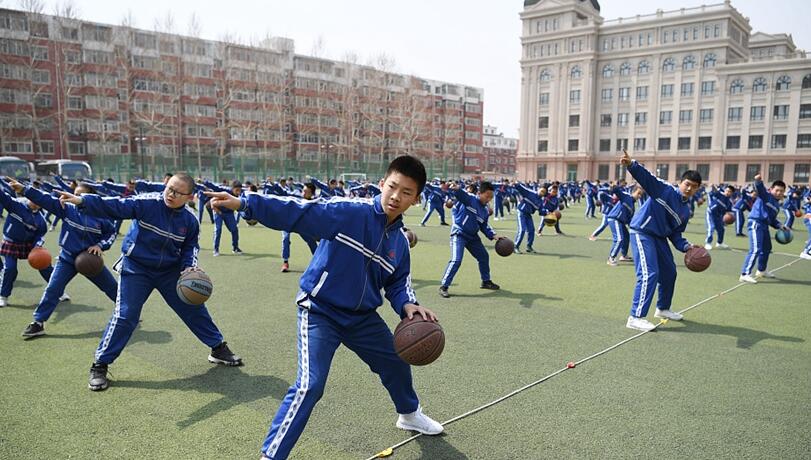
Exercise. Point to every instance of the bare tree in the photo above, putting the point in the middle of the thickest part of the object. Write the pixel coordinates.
(67, 9)
(128, 19)
(319, 49)
(166, 24)
(32, 6)
(194, 28)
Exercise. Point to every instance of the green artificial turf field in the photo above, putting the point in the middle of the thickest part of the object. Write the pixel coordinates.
(732, 380)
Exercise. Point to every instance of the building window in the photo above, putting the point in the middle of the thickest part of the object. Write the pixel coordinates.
(805, 111)
(759, 85)
(781, 112)
(783, 83)
(752, 170)
(802, 172)
(707, 88)
(755, 142)
(662, 171)
(622, 144)
(687, 89)
(689, 63)
(664, 144)
(608, 71)
(806, 82)
(576, 73)
(543, 146)
(602, 172)
(46, 146)
(775, 171)
(736, 87)
(541, 171)
(757, 113)
(574, 144)
(705, 116)
(574, 96)
(543, 99)
(77, 148)
(605, 145)
(669, 65)
(574, 121)
(605, 120)
(703, 170)
(704, 142)
(778, 141)
(545, 75)
(804, 141)
(667, 90)
(644, 68)
(684, 143)
(625, 68)
(625, 94)
(733, 142)
(640, 143)
(709, 59)
(685, 116)
(641, 93)
(607, 94)
(543, 122)
(665, 117)
(622, 119)
(731, 173)
(641, 118)
(681, 168)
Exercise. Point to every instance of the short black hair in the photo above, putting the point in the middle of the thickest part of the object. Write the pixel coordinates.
(186, 179)
(410, 167)
(486, 186)
(169, 175)
(692, 175)
(729, 187)
(310, 186)
(90, 189)
(236, 184)
(779, 183)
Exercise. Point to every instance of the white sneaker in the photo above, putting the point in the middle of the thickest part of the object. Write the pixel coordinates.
(675, 316)
(3, 301)
(65, 298)
(766, 274)
(417, 421)
(216, 253)
(722, 245)
(612, 262)
(747, 279)
(495, 219)
(805, 256)
(708, 246)
(640, 324)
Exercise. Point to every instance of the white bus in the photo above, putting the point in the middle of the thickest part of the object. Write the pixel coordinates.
(16, 168)
(68, 169)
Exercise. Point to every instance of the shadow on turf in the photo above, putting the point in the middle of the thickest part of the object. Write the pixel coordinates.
(65, 310)
(747, 338)
(153, 337)
(235, 386)
(434, 447)
(525, 300)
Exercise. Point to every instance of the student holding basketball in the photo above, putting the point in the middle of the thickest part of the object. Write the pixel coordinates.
(764, 213)
(79, 233)
(663, 217)
(227, 217)
(719, 205)
(362, 251)
(162, 244)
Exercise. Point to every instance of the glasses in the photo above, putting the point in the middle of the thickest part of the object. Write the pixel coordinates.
(173, 192)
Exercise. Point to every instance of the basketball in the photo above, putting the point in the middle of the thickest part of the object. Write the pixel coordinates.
(560, 207)
(449, 204)
(558, 215)
(88, 264)
(505, 247)
(194, 287)
(798, 213)
(39, 258)
(489, 211)
(550, 220)
(598, 203)
(251, 222)
(783, 236)
(729, 218)
(412, 238)
(697, 259)
(417, 341)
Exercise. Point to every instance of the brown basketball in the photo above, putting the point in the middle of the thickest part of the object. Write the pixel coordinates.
(417, 341)
(194, 287)
(251, 222)
(697, 259)
(558, 215)
(561, 207)
(88, 264)
(449, 204)
(505, 247)
(729, 218)
(412, 238)
(598, 203)
(550, 220)
(39, 258)
(798, 213)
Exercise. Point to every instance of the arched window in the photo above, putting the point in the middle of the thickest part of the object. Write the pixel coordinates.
(625, 68)
(608, 71)
(710, 60)
(689, 63)
(759, 85)
(783, 83)
(807, 81)
(736, 87)
(669, 65)
(545, 75)
(576, 73)
(644, 68)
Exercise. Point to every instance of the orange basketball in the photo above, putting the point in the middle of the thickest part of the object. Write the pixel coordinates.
(39, 258)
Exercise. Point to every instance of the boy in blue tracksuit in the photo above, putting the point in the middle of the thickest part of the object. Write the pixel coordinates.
(791, 204)
(23, 230)
(161, 245)
(436, 202)
(663, 217)
(618, 220)
(227, 217)
(764, 214)
(717, 207)
(531, 202)
(307, 193)
(744, 204)
(806, 207)
(591, 196)
(549, 205)
(80, 233)
(362, 251)
(606, 204)
(470, 215)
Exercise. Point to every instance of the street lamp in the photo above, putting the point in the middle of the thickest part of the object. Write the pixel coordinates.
(140, 139)
(327, 147)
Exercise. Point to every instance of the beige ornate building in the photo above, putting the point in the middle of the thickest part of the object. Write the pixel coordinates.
(692, 88)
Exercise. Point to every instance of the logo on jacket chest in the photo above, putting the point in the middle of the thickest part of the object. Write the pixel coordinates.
(391, 254)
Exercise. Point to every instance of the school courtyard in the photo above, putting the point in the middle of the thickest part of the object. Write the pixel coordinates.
(730, 381)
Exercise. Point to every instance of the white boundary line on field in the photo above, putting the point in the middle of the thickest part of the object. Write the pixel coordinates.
(390, 450)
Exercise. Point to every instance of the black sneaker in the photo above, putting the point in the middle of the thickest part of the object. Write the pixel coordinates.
(530, 250)
(221, 354)
(444, 224)
(34, 329)
(98, 377)
(443, 292)
(238, 251)
(490, 285)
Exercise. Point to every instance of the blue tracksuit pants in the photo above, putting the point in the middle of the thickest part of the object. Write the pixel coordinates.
(231, 224)
(655, 267)
(201, 205)
(760, 246)
(621, 238)
(439, 208)
(740, 219)
(62, 274)
(321, 330)
(590, 206)
(8, 274)
(499, 205)
(135, 285)
(286, 245)
(474, 245)
(525, 227)
(602, 226)
(789, 222)
(714, 224)
(807, 248)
